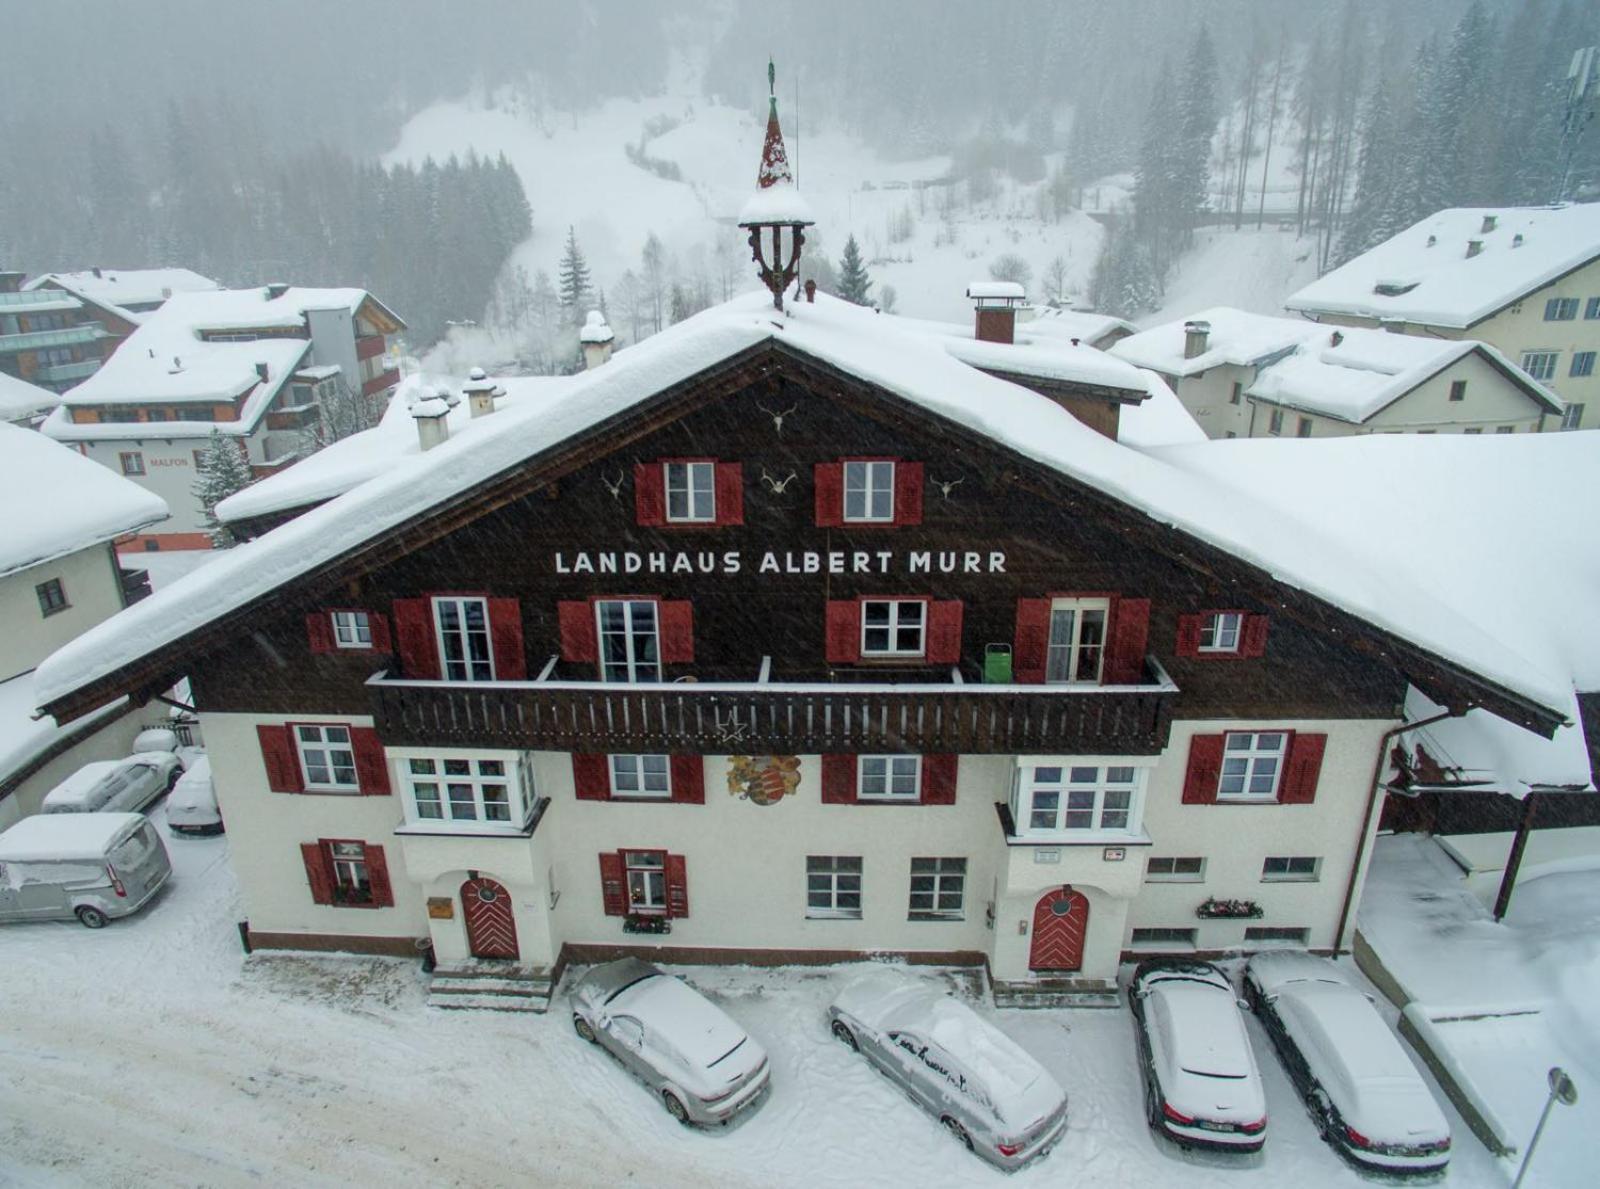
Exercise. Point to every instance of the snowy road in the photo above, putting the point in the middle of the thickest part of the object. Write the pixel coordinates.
(154, 1053)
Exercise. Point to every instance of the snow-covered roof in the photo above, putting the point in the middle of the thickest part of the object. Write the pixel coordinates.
(1084, 325)
(995, 291)
(24, 738)
(119, 289)
(781, 202)
(1295, 548)
(257, 309)
(47, 836)
(20, 400)
(56, 501)
(1425, 275)
(1237, 338)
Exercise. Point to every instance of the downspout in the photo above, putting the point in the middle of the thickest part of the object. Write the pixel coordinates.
(1366, 818)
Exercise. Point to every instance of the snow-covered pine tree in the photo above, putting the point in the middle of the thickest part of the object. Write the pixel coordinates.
(222, 470)
(574, 281)
(853, 279)
(1198, 112)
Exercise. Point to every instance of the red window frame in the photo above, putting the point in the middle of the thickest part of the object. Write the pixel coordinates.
(322, 876)
(580, 629)
(828, 480)
(1253, 628)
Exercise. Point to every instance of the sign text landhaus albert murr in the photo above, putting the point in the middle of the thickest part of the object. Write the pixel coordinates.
(795, 561)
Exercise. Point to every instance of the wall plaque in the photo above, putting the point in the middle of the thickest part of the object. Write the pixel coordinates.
(441, 908)
(1114, 854)
(1047, 855)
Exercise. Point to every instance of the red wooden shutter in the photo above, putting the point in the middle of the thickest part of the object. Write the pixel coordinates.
(677, 631)
(939, 779)
(677, 886)
(688, 780)
(843, 645)
(1130, 632)
(319, 631)
(944, 632)
(908, 493)
(1254, 640)
(839, 780)
(591, 777)
(613, 886)
(378, 876)
(282, 761)
(378, 625)
(730, 493)
(318, 872)
(1205, 770)
(1032, 641)
(1189, 634)
(580, 639)
(505, 640)
(413, 628)
(372, 766)
(649, 494)
(829, 477)
(1302, 769)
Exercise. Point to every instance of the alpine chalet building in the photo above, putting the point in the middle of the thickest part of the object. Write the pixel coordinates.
(788, 635)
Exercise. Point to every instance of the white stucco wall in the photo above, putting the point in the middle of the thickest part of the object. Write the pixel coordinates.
(94, 593)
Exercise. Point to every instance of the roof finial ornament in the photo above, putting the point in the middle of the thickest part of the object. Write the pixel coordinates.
(775, 214)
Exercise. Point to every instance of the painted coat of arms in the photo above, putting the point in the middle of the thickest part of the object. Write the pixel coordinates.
(765, 780)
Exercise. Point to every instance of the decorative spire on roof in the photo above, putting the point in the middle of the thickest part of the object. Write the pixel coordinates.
(774, 156)
(775, 214)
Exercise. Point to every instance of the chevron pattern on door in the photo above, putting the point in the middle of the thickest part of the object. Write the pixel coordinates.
(1060, 923)
(491, 928)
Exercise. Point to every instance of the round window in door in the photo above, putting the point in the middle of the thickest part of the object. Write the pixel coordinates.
(491, 928)
(1060, 923)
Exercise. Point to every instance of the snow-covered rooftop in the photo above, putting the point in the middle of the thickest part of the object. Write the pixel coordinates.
(24, 738)
(20, 400)
(995, 291)
(1426, 275)
(1084, 325)
(1236, 338)
(1301, 550)
(56, 501)
(122, 288)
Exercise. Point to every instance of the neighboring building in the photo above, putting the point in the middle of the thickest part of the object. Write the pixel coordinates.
(1074, 326)
(59, 576)
(25, 404)
(48, 338)
(1253, 376)
(1523, 279)
(264, 366)
(121, 298)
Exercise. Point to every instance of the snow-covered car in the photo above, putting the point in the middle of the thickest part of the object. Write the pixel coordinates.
(1363, 1092)
(985, 1090)
(192, 807)
(702, 1065)
(115, 786)
(155, 739)
(1202, 1087)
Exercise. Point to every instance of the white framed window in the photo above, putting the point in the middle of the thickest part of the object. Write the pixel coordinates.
(463, 628)
(327, 758)
(630, 640)
(691, 492)
(645, 777)
(1291, 869)
(351, 882)
(1275, 422)
(1572, 416)
(1161, 938)
(869, 492)
(1221, 630)
(1252, 765)
(833, 887)
(1069, 797)
(1561, 309)
(1175, 869)
(352, 629)
(132, 462)
(893, 627)
(888, 778)
(938, 889)
(1541, 365)
(1077, 640)
(646, 872)
(464, 789)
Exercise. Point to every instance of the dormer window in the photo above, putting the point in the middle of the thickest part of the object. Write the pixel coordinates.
(869, 492)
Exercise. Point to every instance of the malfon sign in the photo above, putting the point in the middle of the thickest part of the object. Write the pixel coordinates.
(794, 561)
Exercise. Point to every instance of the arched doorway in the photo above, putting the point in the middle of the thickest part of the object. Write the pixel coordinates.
(491, 927)
(1060, 923)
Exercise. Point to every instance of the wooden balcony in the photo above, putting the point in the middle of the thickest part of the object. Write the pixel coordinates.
(715, 718)
(381, 382)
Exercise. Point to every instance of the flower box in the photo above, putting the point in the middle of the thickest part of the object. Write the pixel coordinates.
(1212, 909)
(640, 923)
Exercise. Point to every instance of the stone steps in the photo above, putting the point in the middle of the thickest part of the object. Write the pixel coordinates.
(1063, 992)
(490, 986)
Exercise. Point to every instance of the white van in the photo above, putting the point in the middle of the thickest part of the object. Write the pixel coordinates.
(93, 866)
(115, 786)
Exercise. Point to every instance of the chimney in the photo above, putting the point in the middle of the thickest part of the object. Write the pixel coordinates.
(1489, 222)
(1516, 240)
(1196, 339)
(276, 289)
(1336, 337)
(432, 413)
(166, 292)
(596, 338)
(996, 303)
(261, 370)
(481, 392)
(96, 272)
(1432, 239)
(811, 291)
(1474, 246)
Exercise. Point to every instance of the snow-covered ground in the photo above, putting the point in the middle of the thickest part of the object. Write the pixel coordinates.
(155, 1052)
(1249, 270)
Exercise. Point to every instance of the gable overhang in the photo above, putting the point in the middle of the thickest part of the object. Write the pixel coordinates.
(767, 363)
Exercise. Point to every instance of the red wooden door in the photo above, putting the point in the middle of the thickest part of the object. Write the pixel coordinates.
(1060, 922)
(491, 929)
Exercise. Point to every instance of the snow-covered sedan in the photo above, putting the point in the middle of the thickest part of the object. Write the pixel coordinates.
(1201, 1084)
(1362, 1090)
(115, 786)
(973, 1078)
(704, 1067)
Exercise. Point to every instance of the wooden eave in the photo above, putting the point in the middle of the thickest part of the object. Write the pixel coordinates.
(769, 363)
(1074, 389)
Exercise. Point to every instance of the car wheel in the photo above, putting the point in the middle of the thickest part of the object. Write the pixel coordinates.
(841, 1032)
(960, 1132)
(581, 1027)
(1152, 1103)
(172, 778)
(675, 1106)
(91, 916)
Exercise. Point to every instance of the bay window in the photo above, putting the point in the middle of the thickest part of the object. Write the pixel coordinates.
(468, 792)
(1077, 797)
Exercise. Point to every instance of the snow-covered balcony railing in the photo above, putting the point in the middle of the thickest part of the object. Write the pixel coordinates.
(38, 340)
(774, 716)
(380, 382)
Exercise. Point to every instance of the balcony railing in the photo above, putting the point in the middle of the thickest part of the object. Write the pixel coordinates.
(38, 299)
(38, 340)
(380, 382)
(56, 372)
(785, 719)
(368, 345)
